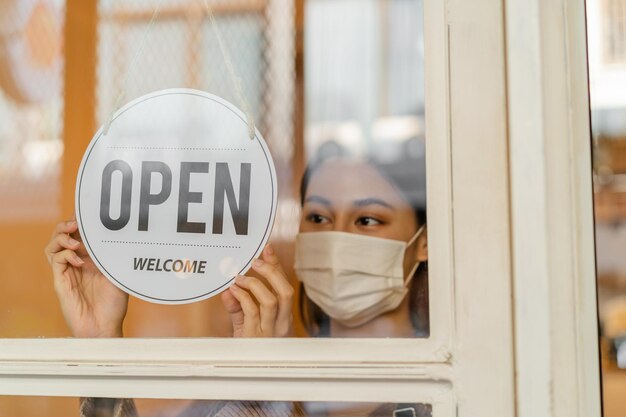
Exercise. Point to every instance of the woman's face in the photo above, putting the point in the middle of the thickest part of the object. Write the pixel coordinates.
(353, 197)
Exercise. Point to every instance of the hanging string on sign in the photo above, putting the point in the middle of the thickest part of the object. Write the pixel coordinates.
(234, 78)
(131, 67)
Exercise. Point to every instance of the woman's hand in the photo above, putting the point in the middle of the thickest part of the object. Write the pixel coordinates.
(257, 309)
(91, 304)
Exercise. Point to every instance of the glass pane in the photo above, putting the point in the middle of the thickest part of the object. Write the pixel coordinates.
(90, 407)
(343, 116)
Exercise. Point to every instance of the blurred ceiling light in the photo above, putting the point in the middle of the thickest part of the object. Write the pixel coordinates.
(31, 50)
(41, 158)
(397, 129)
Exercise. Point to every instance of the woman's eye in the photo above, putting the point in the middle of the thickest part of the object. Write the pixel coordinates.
(368, 221)
(317, 218)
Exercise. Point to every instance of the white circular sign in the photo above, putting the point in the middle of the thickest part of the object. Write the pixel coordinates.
(176, 200)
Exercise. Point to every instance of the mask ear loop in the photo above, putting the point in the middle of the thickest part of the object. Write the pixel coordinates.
(414, 270)
(411, 275)
(416, 236)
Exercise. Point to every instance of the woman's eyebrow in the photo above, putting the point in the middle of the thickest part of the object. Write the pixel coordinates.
(318, 199)
(372, 201)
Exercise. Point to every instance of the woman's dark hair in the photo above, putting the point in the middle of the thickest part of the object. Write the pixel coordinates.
(408, 175)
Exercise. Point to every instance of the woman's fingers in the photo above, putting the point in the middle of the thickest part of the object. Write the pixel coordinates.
(270, 269)
(61, 260)
(233, 307)
(268, 304)
(230, 302)
(270, 266)
(66, 227)
(269, 256)
(60, 242)
(61, 239)
(250, 310)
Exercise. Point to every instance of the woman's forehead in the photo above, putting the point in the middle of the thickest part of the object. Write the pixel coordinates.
(347, 181)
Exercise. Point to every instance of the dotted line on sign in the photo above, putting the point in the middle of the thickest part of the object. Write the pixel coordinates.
(157, 148)
(129, 242)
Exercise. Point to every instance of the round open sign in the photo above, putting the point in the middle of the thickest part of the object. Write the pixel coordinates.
(176, 200)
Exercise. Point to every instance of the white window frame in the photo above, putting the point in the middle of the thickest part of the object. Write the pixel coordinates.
(477, 115)
(556, 321)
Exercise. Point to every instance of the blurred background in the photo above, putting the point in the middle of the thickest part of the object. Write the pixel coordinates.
(606, 20)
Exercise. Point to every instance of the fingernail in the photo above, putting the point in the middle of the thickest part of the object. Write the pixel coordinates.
(71, 223)
(258, 263)
(80, 261)
(269, 249)
(234, 288)
(74, 242)
(240, 279)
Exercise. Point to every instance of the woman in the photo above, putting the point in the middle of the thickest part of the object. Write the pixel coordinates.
(361, 257)
(362, 250)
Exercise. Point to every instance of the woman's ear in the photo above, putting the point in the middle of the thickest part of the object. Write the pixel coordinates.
(422, 246)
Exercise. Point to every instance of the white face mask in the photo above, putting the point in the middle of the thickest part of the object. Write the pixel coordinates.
(353, 278)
